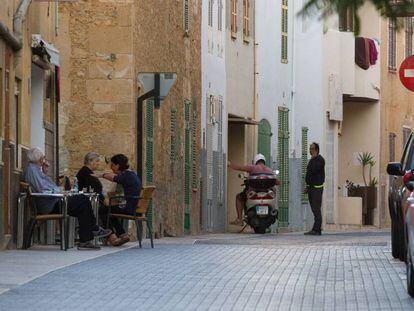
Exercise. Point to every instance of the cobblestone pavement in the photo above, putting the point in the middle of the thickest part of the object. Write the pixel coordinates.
(342, 271)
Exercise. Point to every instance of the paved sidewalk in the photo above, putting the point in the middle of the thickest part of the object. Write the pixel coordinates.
(18, 267)
(342, 271)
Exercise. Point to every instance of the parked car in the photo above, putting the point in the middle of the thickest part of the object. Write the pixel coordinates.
(397, 199)
(409, 226)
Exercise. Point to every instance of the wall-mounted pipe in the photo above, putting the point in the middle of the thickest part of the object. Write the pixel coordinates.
(12, 40)
(19, 17)
(15, 40)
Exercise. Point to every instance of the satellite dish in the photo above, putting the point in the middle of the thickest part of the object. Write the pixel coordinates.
(159, 83)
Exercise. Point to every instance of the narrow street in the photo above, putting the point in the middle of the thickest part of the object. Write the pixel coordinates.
(337, 271)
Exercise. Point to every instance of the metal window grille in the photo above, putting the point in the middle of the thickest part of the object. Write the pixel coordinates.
(246, 18)
(187, 165)
(406, 135)
(284, 45)
(392, 46)
(186, 16)
(220, 15)
(283, 159)
(233, 16)
(304, 161)
(408, 36)
(210, 13)
(173, 135)
(391, 138)
(220, 182)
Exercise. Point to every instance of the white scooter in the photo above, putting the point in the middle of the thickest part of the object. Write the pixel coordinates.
(260, 210)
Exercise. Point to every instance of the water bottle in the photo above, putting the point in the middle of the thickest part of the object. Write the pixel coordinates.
(75, 185)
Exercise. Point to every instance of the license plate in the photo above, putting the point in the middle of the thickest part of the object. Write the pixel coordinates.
(262, 210)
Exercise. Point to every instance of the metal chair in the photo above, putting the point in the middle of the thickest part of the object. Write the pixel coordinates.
(140, 214)
(35, 219)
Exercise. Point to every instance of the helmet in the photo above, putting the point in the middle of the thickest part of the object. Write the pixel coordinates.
(259, 157)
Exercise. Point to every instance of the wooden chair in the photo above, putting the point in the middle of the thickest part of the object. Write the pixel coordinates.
(35, 218)
(140, 214)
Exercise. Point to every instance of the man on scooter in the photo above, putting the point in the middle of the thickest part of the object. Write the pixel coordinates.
(259, 167)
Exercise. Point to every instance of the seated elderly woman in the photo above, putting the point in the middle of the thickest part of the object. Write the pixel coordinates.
(128, 179)
(79, 206)
(88, 180)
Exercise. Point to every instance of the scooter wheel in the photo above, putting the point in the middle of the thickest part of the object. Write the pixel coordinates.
(259, 230)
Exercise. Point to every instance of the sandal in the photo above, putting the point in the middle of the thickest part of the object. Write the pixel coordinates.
(237, 222)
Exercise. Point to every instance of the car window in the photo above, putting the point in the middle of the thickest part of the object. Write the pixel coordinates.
(408, 155)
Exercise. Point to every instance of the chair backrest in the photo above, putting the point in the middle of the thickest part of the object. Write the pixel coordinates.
(145, 199)
(25, 187)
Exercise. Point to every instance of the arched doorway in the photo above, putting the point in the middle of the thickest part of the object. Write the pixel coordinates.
(264, 142)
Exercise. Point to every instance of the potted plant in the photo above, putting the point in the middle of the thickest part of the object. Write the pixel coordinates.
(368, 192)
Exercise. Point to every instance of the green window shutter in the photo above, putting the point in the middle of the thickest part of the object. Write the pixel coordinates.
(283, 157)
(284, 31)
(265, 135)
(186, 16)
(187, 165)
(194, 152)
(149, 151)
(173, 133)
(304, 162)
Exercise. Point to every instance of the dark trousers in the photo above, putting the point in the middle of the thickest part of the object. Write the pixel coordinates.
(80, 207)
(315, 201)
(114, 223)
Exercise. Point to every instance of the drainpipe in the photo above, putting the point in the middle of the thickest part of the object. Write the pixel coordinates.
(15, 40)
(12, 40)
(255, 73)
(19, 18)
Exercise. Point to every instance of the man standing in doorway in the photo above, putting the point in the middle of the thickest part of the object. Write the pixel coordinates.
(315, 177)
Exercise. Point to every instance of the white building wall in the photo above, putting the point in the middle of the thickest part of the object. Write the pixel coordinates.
(213, 55)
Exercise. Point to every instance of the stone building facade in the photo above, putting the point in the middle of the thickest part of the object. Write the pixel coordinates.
(105, 45)
(28, 97)
(396, 103)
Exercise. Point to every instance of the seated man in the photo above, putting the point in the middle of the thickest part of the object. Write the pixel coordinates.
(258, 168)
(79, 206)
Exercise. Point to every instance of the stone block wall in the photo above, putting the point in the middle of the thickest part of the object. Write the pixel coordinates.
(104, 45)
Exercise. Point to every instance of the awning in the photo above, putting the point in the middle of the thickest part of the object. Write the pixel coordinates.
(233, 119)
(50, 48)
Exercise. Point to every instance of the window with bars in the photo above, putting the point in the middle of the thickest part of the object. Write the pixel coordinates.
(210, 13)
(408, 36)
(391, 138)
(304, 161)
(392, 46)
(283, 159)
(173, 133)
(220, 15)
(284, 28)
(346, 20)
(406, 134)
(187, 167)
(246, 19)
(233, 18)
(186, 16)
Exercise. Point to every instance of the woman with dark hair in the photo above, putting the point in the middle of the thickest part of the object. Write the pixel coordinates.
(128, 179)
